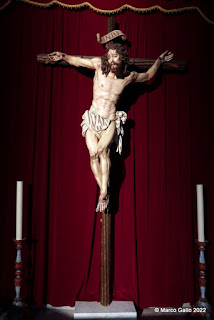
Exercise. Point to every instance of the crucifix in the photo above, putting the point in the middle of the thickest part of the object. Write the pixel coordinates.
(101, 123)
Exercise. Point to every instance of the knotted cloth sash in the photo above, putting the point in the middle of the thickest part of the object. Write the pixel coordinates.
(121, 118)
(98, 124)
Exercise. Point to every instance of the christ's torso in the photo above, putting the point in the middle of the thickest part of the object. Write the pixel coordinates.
(106, 92)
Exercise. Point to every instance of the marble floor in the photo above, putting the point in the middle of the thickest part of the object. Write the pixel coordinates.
(68, 314)
(146, 314)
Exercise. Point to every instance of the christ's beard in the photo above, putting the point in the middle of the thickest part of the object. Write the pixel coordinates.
(115, 67)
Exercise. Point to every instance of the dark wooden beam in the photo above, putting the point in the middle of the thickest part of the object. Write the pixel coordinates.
(106, 254)
(106, 260)
(143, 64)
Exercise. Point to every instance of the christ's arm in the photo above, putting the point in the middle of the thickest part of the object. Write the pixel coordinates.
(74, 60)
(149, 74)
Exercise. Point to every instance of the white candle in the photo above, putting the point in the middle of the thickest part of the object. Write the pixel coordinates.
(19, 197)
(200, 212)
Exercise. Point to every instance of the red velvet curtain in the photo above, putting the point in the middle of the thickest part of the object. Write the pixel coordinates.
(168, 148)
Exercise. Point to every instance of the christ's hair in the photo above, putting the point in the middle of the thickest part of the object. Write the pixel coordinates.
(123, 56)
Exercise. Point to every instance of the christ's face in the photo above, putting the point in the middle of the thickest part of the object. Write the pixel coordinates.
(114, 60)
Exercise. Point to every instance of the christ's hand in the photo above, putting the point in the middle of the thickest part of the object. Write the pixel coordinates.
(56, 56)
(166, 56)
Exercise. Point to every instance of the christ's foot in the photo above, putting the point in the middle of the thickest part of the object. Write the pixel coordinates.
(102, 203)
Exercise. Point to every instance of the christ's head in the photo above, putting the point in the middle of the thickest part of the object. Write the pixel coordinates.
(115, 60)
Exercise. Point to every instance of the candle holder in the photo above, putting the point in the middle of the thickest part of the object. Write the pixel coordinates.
(202, 306)
(18, 274)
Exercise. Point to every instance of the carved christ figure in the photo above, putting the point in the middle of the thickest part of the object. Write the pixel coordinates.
(101, 123)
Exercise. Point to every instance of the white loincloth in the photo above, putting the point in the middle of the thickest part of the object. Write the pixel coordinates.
(98, 124)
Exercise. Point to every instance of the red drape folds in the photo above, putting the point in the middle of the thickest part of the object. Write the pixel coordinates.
(167, 150)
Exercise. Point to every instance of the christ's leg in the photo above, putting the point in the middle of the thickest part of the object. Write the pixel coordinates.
(92, 143)
(103, 149)
(105, 165)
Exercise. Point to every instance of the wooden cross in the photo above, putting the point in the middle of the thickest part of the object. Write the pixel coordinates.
(173, 65)
(106, 252)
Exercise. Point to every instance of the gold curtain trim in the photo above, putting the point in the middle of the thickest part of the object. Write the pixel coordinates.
(113, 11)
